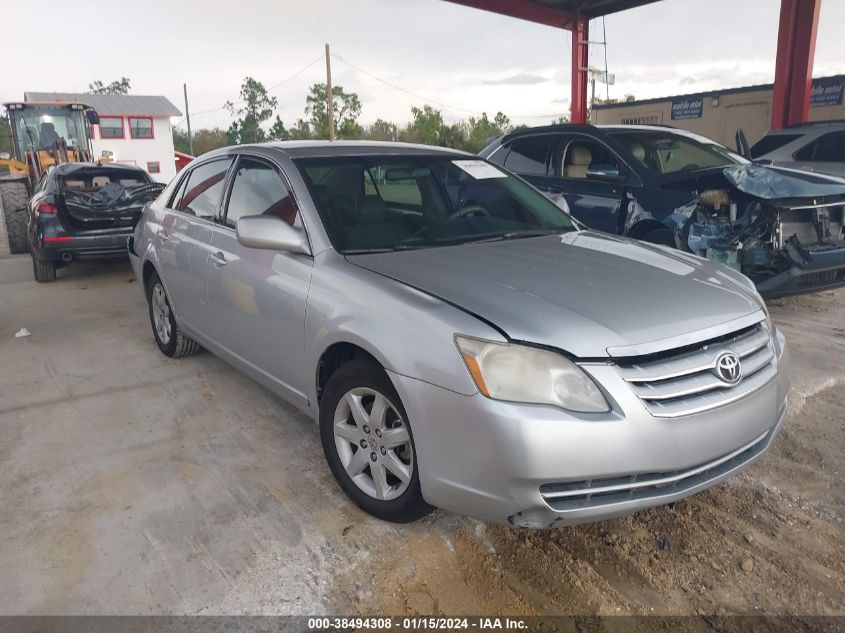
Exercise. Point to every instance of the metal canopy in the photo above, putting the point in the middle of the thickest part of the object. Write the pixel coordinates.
(560, 13)
(796, 45)
(573, 15)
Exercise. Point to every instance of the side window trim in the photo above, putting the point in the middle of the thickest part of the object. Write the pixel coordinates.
(230, 181)
(184, 179)
(566, 140)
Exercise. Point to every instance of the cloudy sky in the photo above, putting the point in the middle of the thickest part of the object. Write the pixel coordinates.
(393, 53)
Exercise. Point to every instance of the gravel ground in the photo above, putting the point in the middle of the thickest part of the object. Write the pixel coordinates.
(135, 485)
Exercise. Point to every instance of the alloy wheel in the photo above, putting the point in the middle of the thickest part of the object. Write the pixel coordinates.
(373, 443)
(161, 314)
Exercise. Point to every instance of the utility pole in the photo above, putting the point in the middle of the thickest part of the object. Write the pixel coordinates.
(188, 118)
(329, 100)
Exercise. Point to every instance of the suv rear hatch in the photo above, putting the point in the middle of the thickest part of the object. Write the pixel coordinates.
(105, 197)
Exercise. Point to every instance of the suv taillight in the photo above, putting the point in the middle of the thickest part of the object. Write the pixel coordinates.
(46, 207)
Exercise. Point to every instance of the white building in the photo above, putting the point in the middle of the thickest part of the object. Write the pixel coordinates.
(136, 129)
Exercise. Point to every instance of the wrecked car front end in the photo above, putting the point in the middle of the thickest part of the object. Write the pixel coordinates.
(782, 228)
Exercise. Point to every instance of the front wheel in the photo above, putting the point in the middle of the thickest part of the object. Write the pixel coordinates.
(168, 335)
(368, 443)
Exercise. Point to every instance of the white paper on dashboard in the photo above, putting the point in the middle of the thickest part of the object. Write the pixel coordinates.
(478, 169)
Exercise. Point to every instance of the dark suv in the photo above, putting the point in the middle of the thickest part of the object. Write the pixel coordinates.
(783, 228)
(85, 210)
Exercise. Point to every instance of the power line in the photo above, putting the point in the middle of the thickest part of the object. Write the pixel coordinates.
(401, 89)
(270, 89)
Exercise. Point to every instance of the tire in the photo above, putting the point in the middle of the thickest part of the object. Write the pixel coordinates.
(394, 499)
(44, 272)
(663, 237)
(13, 199)
(168, 336)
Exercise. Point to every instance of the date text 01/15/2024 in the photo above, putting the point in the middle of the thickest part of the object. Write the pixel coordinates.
(416, 623)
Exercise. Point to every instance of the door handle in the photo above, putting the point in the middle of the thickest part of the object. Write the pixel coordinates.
(217, 259)
(163, 236)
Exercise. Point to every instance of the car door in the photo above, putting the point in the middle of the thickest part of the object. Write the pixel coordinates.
(531, 157)
(826, 154)
(257, 297)
(183, 242)
(591, 178)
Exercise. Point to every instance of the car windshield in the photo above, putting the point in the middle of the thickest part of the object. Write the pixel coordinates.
(378, 203)
(669, 153)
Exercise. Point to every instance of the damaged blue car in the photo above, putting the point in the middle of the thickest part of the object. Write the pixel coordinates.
(783, 228)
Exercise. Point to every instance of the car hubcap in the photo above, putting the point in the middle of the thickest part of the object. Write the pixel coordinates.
(161, 314)
(373, 444)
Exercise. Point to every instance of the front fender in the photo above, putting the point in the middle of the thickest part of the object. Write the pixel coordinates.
(408, 331)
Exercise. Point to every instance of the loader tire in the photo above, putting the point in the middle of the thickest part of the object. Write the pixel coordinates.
(13, 199)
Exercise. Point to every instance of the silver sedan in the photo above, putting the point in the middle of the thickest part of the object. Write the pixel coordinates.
(462, 343)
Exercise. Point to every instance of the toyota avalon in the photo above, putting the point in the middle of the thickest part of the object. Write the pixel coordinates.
(460, 340)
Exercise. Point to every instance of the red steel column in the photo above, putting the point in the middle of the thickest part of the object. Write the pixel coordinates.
(580, 36)
(799, 21)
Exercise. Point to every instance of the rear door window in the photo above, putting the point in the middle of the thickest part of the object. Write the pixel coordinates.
(771, 142)
(829, 148)
(530, 155)
(199, 194)
(581, 153)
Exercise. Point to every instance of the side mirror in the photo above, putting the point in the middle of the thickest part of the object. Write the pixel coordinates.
(742, 147)
(268, 232)
(610, 173)
(93, 117)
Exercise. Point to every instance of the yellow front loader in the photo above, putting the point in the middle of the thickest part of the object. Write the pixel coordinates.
(43, 134)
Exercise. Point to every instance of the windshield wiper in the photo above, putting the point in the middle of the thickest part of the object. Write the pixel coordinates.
(516, 235)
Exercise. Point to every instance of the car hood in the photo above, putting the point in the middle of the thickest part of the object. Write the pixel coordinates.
(772, 182)
(581, 292)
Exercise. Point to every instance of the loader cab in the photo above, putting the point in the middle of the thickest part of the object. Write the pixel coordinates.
(51, 127)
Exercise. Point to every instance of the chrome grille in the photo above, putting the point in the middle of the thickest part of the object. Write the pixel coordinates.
(685, 382)
(576, 495)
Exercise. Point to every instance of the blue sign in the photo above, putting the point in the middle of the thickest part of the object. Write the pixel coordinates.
(827, 91)
(687, 108)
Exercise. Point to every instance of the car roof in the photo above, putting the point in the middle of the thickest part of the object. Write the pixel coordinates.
(808, 127)
(314, 149)
(586, 128)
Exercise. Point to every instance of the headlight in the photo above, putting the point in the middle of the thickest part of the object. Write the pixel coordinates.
(769, 325)
(518, 373)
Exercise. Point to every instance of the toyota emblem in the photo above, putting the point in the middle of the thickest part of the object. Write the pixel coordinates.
(728, 368)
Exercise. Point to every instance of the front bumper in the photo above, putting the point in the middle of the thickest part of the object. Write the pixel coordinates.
(503, 462)
(824, 270)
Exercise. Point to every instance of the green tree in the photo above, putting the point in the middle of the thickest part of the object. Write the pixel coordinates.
(453, 136)
(478, 132)
(180, 141)
(629, 98)
(205, 140)
(278, 131)
(561, 120)
(382, 130)
(425, 126)
(346, 108)
(301, 131)
(118, 87)
(254, 108)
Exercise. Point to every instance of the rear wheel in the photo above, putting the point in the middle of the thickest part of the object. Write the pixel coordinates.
(44, 272)
(169, 337)
(13, 199)
(368, 443)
